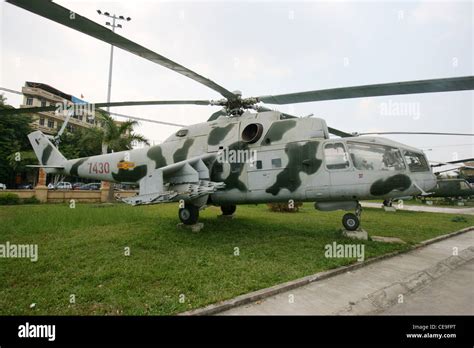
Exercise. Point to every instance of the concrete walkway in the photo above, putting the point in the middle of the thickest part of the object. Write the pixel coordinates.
(407, 283)
(452, 293)
(425, 208)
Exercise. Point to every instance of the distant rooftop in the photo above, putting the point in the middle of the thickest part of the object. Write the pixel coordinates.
(52, 90)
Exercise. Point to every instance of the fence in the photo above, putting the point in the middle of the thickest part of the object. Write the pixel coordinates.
(63, 196)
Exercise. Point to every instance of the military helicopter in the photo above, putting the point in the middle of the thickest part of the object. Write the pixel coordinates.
(446, 186)
(452, 188)
(248, 153)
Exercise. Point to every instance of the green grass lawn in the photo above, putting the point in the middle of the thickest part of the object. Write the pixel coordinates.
(81, 252)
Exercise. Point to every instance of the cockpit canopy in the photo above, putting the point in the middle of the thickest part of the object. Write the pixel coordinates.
(340, 154)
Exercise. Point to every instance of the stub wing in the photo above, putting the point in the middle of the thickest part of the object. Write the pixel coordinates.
(187, 180)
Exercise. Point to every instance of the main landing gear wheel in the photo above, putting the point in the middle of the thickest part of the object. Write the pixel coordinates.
(228, 209)
(189, 214)
(387, 203)
(350, 221)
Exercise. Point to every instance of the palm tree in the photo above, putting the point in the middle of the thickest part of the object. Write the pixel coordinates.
(118, 137)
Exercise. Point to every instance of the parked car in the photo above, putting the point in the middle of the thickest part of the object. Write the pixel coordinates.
(91, 186)
(3, 186)
(125, 187)
(25, 187)
(77, 185)
(63, 185)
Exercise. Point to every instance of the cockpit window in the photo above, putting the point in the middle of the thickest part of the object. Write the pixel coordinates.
(375, 157)
(416, 162)
(336, 156)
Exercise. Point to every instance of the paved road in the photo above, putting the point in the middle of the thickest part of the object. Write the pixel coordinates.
(425, 208)
(428, 280)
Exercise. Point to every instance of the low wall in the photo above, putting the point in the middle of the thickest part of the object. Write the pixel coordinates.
(64, 196)
(21, 193)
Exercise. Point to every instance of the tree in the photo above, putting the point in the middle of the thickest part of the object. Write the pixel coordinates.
(13, 143)
(84, 142)
(118, 137)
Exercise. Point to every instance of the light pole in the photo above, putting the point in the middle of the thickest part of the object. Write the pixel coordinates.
(105, 186)
(113, 25)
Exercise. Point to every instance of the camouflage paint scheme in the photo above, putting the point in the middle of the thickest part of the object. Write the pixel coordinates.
(298, 144)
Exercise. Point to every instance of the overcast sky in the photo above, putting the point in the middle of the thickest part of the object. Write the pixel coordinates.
(261, 48)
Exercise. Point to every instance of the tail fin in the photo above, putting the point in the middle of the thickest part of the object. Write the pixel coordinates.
(48, 155)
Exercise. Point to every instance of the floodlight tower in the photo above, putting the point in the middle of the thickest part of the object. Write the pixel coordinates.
(113, 25)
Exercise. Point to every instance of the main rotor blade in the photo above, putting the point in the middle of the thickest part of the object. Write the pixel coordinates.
(62, 15)
(419, 133)
(339, 133)
(154, 102)
(145, 119)
(409, 87)
(101, 105)
(464, 160)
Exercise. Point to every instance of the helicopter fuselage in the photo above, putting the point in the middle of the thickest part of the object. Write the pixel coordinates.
(264, 157)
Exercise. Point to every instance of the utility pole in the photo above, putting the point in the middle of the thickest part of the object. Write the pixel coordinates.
(113, 25)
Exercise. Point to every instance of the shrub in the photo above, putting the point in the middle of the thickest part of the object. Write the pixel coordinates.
(31, 200)
(9, 199)
(459, 219)
(284, 207)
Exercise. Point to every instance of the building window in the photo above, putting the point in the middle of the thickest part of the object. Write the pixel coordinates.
(41, 122)
(259, 165)
(51, 123)
(29, 101)
(336, 156)
(276, 163)
(43, 103)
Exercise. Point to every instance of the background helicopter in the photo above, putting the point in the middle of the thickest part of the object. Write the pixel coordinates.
(453, 187)
(296, 159)
(450, 184)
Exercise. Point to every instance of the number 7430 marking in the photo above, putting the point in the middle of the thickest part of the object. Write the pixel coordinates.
(99, 168)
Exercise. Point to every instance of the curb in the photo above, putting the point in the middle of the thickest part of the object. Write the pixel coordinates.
(276, 289)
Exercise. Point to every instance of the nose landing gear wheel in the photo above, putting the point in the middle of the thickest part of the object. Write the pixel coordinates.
(189, 214)
(228, 209)
(350, 221)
